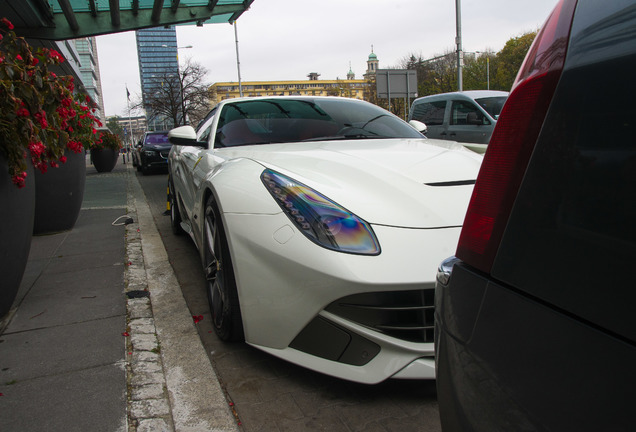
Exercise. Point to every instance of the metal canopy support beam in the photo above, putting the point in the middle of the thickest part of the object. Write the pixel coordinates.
(114, 13)
(93, 7)
(97, 18)
(44, 8)
(156, 11)
(67, 9)
(246, 6)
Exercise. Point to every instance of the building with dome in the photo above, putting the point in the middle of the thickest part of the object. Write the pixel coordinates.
(372, 66)
(313, 86)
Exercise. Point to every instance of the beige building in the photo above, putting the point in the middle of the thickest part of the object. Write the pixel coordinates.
(137, 123)
(350, 87)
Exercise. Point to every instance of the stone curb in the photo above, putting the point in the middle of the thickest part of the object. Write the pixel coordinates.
(171, 385)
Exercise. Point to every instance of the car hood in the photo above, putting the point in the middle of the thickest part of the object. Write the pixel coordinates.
(415, 183)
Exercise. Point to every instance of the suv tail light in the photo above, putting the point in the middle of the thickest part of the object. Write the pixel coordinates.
(513, 140)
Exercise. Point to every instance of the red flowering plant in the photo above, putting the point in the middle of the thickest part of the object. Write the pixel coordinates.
(40, 117)
(107, 140)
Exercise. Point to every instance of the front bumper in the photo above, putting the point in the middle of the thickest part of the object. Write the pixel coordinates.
(296, 298)
(159, 159)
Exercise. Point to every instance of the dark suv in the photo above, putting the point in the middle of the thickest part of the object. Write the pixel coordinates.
(152, 152)
(535, 318)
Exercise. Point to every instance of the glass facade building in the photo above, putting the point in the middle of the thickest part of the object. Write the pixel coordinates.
(89, 72)
(157, 53)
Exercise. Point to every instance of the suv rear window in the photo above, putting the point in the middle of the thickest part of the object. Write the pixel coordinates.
(429, 113)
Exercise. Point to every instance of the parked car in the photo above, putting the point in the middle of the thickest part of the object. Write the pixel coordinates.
(152, 152)
(468, 117)
(535, 322)
(320, 222)
(134, 154)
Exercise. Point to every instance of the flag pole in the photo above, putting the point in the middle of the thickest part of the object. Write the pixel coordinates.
(132, 142)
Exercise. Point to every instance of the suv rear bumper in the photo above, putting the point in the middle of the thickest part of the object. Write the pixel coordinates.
(499, 358)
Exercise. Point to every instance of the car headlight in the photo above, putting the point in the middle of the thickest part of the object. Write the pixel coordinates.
(321, 220)
(150, 153)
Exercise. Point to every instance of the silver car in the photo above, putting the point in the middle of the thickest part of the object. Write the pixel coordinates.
(467, 117)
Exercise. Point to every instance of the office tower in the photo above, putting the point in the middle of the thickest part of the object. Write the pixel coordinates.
(157, 52)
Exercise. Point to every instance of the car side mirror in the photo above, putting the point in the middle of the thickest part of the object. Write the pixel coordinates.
(185, 136)
(419, 126)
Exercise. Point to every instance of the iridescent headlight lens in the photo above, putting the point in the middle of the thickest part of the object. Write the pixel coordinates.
(323, 221)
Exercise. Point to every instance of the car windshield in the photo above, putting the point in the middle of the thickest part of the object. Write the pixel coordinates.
(157, 138)
(492, 105)
(263, 121)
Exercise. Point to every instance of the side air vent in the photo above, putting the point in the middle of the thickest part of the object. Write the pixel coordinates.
(406, 315)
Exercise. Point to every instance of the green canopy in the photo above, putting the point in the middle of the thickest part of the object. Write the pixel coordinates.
(70, 19)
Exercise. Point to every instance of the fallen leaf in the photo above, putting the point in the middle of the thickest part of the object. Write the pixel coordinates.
(197, 318)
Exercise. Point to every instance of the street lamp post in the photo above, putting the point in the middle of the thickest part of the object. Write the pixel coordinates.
(458, 41)
(183, 110)
(238, 62)
(487, 67)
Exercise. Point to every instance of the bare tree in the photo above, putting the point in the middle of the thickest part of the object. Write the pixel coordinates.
(434, 75)
(183, 97)
(438, 74)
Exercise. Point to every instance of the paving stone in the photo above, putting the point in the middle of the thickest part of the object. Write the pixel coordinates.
(139, 308)
(149, 408)
(143, 378)
(146, 356)
(146, 367)
(154, 425)
(144, 342)
(148, 391)
(142, 325)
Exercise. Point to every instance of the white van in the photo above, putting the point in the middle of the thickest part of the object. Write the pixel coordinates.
(466, 117)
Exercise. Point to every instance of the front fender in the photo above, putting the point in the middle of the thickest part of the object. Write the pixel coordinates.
(237, 188)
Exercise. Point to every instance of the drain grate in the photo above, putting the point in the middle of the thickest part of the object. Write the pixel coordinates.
(137, 294)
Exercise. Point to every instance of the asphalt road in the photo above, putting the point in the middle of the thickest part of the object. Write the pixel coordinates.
(269, 394)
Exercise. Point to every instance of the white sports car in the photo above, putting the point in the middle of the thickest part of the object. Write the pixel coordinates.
(320, 222)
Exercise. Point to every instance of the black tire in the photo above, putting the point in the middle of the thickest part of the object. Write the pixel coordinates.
(175, 215)
(221, 283)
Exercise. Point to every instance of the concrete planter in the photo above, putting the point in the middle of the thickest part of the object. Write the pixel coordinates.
(16, 228)
(58, 195)
(104, 160)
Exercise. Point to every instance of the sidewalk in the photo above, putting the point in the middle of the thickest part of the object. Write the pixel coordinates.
(100, 337)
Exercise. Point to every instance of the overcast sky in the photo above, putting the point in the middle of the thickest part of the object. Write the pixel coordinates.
(288, 39)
